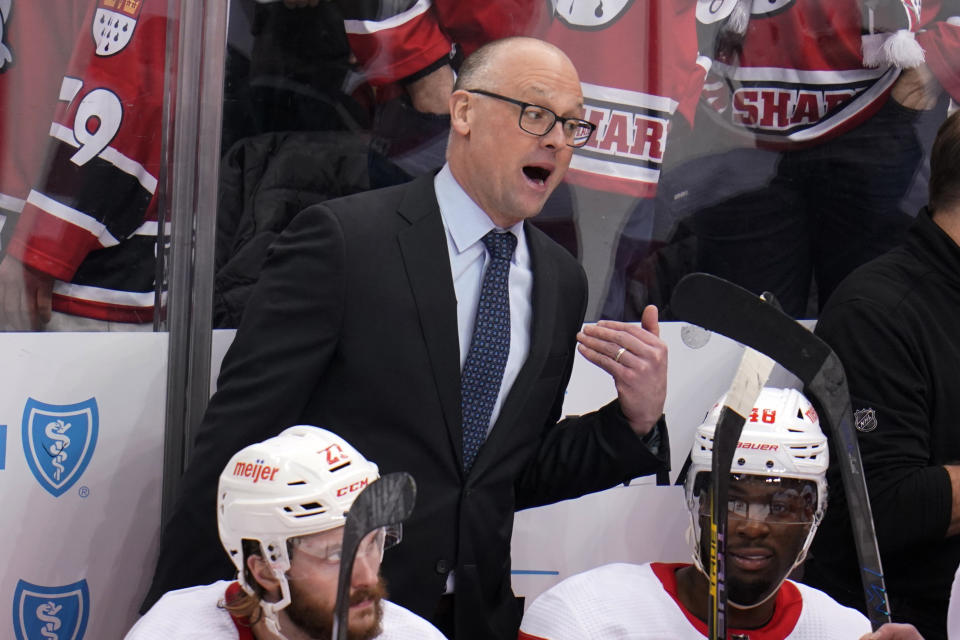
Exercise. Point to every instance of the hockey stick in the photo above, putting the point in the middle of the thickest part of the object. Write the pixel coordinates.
(388, 500)
(747, 383)
(727, 309)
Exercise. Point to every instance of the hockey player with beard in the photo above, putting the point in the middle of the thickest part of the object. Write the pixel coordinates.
(777, 498)
(282, 506)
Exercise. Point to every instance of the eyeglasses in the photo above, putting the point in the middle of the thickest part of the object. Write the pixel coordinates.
(539, 121)
(328, 549)
(793, 503)
(785, 507)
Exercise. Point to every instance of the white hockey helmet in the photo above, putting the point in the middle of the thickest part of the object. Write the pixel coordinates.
(781, 439)
(297, 483)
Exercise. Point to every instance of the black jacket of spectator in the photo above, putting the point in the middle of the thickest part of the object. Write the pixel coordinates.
(894, 324)
(265, 181)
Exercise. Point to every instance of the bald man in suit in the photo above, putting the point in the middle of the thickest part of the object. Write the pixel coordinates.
(362, 322)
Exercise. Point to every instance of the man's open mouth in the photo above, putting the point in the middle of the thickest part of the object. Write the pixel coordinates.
(536, 174)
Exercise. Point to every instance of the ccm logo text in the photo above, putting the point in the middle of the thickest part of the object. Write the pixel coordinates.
(350, 488)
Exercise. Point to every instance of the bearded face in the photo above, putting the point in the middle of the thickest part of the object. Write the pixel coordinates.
(313, 577)
(315, 617)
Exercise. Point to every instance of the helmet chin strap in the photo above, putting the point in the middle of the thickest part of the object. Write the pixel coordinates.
(271, 621)
(279, 565)
(271, 609)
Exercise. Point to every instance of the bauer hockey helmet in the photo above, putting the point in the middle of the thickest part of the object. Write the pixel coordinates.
(781, 446)
(297, 483)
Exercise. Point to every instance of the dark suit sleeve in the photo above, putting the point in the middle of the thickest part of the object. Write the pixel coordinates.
(286, 338)
(587, 453)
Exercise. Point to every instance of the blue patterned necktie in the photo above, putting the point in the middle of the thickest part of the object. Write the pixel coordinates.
(489, 347)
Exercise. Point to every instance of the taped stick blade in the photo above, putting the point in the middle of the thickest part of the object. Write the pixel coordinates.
(752, 374)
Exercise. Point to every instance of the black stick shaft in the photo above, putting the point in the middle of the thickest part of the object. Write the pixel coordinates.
(387, 501)
(751, 375)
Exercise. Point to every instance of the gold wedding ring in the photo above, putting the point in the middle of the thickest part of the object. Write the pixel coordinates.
(620, 353)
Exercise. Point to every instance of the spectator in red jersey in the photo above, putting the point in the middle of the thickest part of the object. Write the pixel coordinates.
(82, 255)
(807, 158)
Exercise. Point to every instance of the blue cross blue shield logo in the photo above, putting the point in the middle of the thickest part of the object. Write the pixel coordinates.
(58, 441)
(48, 613)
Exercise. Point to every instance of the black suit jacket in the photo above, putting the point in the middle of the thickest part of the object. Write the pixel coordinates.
(353, 327)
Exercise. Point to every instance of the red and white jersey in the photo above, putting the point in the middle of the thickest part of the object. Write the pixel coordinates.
(91, 219)
(639, 602)
(36, 39)
(397, 39)
(800, 77)
(638, 65)
(195, 614)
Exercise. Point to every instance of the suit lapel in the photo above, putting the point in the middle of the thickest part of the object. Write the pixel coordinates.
(423, 246)
(545, 297)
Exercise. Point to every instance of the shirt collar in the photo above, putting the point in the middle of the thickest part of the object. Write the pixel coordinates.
(464, 220)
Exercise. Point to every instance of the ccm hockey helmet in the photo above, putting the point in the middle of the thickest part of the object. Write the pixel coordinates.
(297, 483)
(782, 447)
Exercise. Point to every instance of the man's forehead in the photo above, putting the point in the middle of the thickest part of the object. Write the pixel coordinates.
(561, 97)
(570, 91)
(537, 69)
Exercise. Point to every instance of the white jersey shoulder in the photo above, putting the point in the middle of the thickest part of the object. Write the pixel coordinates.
(403, 624)
(194, 614)
(187, 614)
(615, 601)
(824, 617)
(628, 602)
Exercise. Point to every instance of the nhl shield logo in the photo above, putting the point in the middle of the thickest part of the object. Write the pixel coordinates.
(113, 25)
(58, 441)
(865, 420)
(51, 613)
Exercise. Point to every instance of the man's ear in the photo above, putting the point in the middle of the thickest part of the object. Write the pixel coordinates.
(460, 111)
(263, 573)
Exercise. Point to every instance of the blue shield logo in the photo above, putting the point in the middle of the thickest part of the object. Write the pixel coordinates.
(51, 613)
(58, 441)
